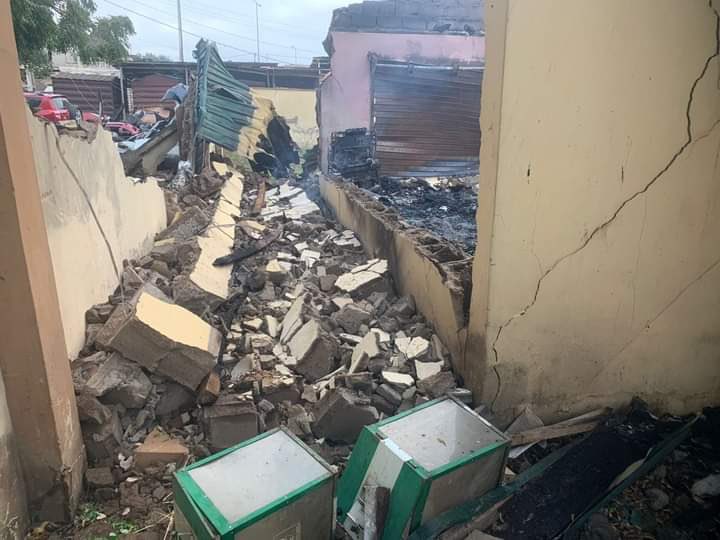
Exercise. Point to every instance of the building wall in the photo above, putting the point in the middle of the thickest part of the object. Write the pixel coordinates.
(298, 109)
(105, 208)
(13, 512)
(597, 274)
(345, 93)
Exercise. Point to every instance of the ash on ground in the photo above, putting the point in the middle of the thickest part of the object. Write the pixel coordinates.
(445, 206)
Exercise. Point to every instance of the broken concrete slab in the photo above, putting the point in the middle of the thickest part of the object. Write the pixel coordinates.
(352, 317)
(293, 320)
(427, 369)
(91, 410)
(416, 348)
(159, 448)
(273, 326)
(340, 416)
(118, 380)
(163, 338)
(209, 390)
(230, 421)
(437, 385)
(98, 477)
(388, 393)
(314, 350)
(189, 224)
(365, 279)
(174, 399)
(367, 349)
(402, 380)
(277, 271)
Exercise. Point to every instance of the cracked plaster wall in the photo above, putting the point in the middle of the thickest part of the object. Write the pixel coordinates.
(597, 274)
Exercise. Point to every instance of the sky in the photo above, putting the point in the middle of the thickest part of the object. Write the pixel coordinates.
(290, 30)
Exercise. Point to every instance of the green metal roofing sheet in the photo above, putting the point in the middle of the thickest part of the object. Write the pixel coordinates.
(224, 104)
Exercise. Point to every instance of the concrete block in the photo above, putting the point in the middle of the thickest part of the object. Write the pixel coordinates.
(112, 378)
(209, 389)
(340, 415)
(229, 422)
(174, 400)
(314, 350)
(365, 280)
(403, 380)
(102, 441)
(437, 385)
(367, 349)
(363, 21)
(159, 448)
(293, 320)
(418, 24)
(388, 393)
(98, 477)
(190, 223)
(427, 369)
(163, 338)
(352, 317)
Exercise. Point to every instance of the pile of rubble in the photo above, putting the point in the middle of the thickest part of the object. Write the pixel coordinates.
(312, 336)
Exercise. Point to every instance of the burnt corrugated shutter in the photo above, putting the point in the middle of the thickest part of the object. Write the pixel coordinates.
(88, 90)
(426, 119)
(148, 91)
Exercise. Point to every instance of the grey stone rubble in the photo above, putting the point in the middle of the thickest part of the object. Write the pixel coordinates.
(314, 337)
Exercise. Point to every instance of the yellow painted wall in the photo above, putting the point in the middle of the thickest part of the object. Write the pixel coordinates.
(597, 274)
(125, 213)
(298, 109)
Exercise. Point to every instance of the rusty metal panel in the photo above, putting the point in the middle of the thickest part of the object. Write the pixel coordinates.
(426, 119)
(88, 90)
(147, 92)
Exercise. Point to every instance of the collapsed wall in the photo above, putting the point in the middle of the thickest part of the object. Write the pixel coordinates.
(434, 272)
(95, 216)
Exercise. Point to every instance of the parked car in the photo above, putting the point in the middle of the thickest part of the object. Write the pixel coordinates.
(52, 107)
(121, 130)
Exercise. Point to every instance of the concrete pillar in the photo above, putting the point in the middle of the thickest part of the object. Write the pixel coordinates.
(33, 358)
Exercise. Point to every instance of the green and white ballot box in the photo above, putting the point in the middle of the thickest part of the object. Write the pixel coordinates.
(270, 487)
(432, 458)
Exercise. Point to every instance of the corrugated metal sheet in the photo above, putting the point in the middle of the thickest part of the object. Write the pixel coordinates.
(147, 92)
(88, 90)
(224, 104)
(426, 119)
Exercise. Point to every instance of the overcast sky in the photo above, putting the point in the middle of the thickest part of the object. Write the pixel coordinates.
(284, 24)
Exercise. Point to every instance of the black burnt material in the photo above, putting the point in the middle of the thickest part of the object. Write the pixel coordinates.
(578, 481)
(448, 211)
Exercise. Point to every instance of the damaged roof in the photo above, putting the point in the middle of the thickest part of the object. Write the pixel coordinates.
(224, 105)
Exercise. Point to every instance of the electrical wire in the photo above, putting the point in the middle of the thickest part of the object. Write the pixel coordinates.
(238, 36)
(163, 23)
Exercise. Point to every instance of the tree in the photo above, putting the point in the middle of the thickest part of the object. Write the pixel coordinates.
(149, 57)
(46, 26)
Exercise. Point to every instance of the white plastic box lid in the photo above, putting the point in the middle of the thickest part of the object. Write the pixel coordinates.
(440, 434)
(256, 475)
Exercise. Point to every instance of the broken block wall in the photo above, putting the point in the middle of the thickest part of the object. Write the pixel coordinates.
(597, 273)
(91, 209)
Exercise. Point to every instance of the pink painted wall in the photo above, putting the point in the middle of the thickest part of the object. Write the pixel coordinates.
(345, 93)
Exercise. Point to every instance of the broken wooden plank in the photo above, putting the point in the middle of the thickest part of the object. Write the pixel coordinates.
(260, 199)
(554, 431)
(587, 417)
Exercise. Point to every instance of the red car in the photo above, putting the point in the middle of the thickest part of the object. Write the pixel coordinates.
(52, 107)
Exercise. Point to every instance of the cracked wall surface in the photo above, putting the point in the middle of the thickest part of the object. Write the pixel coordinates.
(597, 275)
(95, 216)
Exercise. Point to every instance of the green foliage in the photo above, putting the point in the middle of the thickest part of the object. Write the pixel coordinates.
(46, 26)
(149, 57)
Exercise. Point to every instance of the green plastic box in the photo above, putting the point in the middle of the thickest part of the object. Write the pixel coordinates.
(432, 458)
(270, 487)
